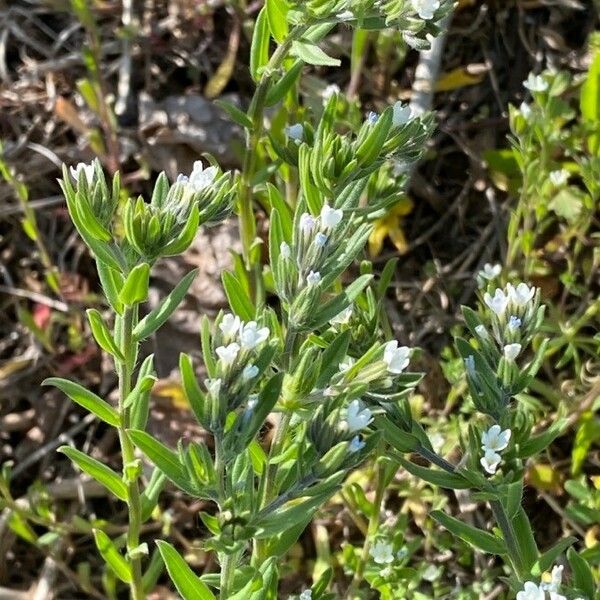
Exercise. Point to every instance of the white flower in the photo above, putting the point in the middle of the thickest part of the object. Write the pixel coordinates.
(295, 132)
(401, 114)
(525, 110)
(357, 417)
(557, 596)
(343, 318)
(495, 439)
(330, 217)
(535, 83)
(200, 178)
(520, 295)
(251, 335)
(284, 250)
(356, 444)
(320, 240)
(346, 364)
(313, 278)
(395, 358)
(305, 595)
(481, 331)
(514, 323)
(228, 354)
(249, 372)
(490, 461)
(372, 118)
(490, 271)
(307, 222)
(511, 351)
(498, 302)
(382, 553)
(332, 88)
(87, 170)
(426, 8)
(213, 386)
(559, 177)
(252, 401)
(555, 582)
(229, 325)
(531, 591)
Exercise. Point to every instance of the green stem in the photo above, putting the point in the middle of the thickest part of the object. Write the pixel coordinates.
(125, 371)
(228, 566)
(508, 533)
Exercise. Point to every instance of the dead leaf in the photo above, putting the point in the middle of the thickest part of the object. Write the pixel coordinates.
(461, 77)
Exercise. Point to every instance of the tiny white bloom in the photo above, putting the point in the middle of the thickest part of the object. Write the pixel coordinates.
(320, 240)
(514, 323)
(295, 132)
(481, 331)
(357, 417)
(285, 250)
(490, 461)
(395, 358)
(332, 88)
(346, 364)
(87, 170)
(200, 178)
(213, 386)
(230, 325)
(535, 83)
(511, 351)
(372, 118)
(249, 372)
(344, 317)
(559, 177)
(531, 591)
(498, 302)
(227, 354)
(306, 595)
(330, 217)
(490, 271)
(520, 295)
(307, 222)
(401, 114)
(313, 278)
(555, 579)
(525, 110)
(251, 335)
(356, 444)
(382, 553)
(252, 401)
(426, 8)
(557, 596)
(495, 439)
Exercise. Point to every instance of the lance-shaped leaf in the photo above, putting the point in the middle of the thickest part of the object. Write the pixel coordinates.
(102, 334)
(135, 288)
(240, 302)
(112, 556)
(452, 481)
(313, 55)
(259, 50)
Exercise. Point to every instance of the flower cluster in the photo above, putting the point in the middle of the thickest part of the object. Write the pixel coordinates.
(493, 441)
(533, 591)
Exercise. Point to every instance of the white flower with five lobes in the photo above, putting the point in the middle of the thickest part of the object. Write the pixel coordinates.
(330, 217)
(230, 325)
(426, 8)
(401, 114)
(531, 591)
(535, 83)
(498, 302)
(382, 553)
(490, 271)
(251, 335)
(343, 318)
(490, 461)
(520, 295)
(357, 417)
(295, 132)
(511, 351)
(249, 372)
(395, 358)
(559, 177)
(313, 278)
(495, 439)
(87, 170)
(227, 354)
(285, 250)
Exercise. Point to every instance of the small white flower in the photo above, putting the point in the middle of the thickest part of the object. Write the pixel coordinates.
(395, 358)
(87, 170)
(320, 240)
(531, 591)
(481, 331)
(426, 8)
(346, 364)
(357, 417)
(249, 372)
(511, 351)
(372, 118)
(330, 217)
(555, 580)
(490, 271)
(230, 325)
(200, 178)
(227, 354)
(295, 132)
(305, 595)
(313, 278)
(557, 596)
(401, 114)
(535, 83)
(520, 295)
(285, 250)
(251, 335)
(490, 461)
(344, 317)
(525, 110)
(559, 178)
(514, 323)
(332, 88)
(382, 553)
(356, 444)
(495, 439)
(213, 386)
(307, 222)
(252, 401)
(498, 302)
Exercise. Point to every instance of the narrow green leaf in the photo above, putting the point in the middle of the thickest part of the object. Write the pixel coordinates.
(547, 559)
(94, 404)
(313, 55)
(452, 481)
(259, 50)
(102, 334)
(135, 288)
(276, 13)
(238, 298)
(112, 556)
(583, 578)
(237, 116)
(100, 472)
